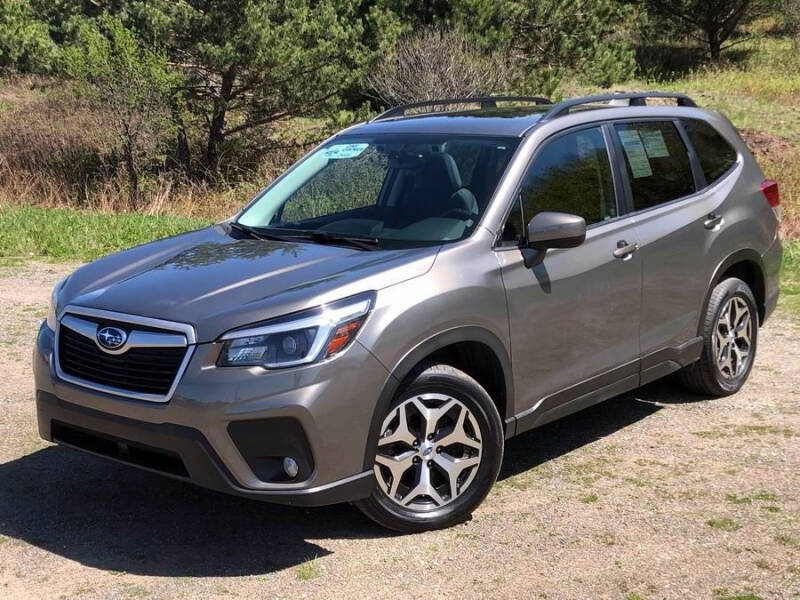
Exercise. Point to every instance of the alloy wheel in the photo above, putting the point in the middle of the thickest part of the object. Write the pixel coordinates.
(733, 338)
(429, 451)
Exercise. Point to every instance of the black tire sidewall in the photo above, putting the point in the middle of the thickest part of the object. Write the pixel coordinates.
(463, 388)
(732, 288)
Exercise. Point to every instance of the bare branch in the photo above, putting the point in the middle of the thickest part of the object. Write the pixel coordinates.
(436, 63)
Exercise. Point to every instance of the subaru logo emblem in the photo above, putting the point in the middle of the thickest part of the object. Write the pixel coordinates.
(111, 338)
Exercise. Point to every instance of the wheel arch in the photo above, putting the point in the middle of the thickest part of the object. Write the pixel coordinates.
(455, 347)
(747, 265)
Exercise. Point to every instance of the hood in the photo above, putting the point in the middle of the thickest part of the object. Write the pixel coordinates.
(217, 283)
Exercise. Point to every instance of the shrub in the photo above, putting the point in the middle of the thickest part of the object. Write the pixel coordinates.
(438, 63)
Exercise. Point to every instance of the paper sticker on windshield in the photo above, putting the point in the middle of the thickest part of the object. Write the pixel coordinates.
(344, 150)
(634, 150)
(654, 144)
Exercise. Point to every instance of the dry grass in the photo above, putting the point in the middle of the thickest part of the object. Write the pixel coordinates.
(52, 145)
(780, 160)
(57, 152)
(785, 168)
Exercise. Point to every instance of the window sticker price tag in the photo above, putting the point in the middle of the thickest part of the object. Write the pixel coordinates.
(654, 144)
(344, 150)
(637, 155)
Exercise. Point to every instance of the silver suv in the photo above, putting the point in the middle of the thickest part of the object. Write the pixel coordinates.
(415, 291)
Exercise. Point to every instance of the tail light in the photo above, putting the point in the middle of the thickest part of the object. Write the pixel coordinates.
(769, 187)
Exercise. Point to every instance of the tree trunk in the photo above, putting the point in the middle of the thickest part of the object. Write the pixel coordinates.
(133, 174)
(217, 126)
(714, 45)
(180, 156)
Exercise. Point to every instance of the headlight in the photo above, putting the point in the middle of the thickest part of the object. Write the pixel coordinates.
(303, 338)
(51, 310)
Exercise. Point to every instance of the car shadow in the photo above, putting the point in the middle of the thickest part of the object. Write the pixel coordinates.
(114, 517)
(550, 441)
(117, 518)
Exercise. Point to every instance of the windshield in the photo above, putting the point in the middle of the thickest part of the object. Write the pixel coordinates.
(399, 190)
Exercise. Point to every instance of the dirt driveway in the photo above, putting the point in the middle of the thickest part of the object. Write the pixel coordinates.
(656, 494)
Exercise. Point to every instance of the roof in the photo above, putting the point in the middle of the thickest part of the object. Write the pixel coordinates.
(490, 119)
(502, 122)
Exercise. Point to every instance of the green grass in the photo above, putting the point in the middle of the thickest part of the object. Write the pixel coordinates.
(308, 570)
(69, 235)
(589, 498)
(745, 594)
(790, 278)
(734, 499)
(766, 496)
(135, 591)
(723, 524)
(787, 540)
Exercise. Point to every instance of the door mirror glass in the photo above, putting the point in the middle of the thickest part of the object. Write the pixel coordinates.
(556, 230)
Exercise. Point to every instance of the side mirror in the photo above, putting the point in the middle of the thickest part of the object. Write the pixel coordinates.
(556, 230)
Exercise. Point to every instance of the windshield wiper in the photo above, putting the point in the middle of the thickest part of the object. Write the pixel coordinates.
(260, 234)
(303, 235)
(321, 237)
(244, 229)
(328, 237)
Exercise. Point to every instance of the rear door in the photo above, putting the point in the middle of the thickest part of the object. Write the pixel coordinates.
(574, 318)
(676, 225)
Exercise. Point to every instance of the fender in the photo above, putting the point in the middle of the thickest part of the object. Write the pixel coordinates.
(417, 355)
(744, 255)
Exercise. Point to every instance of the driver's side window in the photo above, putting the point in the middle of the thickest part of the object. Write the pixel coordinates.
(571, 174)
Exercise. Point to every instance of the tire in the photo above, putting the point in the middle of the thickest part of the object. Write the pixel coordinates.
(707, 376)
(443, 392)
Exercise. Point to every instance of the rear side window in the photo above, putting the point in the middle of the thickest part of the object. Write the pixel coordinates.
(657, 162)
(715, 154)
(571, 174)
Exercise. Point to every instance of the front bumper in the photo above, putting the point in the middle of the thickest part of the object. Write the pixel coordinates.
(224, 427)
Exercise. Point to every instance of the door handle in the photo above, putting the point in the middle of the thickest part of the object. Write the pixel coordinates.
(713, 222)
(625, 250)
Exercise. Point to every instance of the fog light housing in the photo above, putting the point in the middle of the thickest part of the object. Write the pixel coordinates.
(290, 467)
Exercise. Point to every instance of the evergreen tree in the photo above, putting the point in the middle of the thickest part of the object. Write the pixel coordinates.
(713, 22)
(249, 63)
(25, 43)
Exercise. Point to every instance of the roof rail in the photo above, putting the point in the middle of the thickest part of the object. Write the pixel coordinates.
(485, 102)
(633, 98)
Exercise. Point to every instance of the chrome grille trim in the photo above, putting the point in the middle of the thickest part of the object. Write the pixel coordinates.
(136, 339)
(184, 336)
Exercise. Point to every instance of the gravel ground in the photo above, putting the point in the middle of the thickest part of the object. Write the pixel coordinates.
(655, 494)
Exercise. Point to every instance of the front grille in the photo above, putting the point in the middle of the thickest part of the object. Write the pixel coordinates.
(140, 370)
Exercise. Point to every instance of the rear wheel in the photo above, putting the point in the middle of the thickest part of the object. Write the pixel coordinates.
(730, 336)
(438, 453)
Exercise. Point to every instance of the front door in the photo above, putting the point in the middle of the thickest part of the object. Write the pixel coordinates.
(574, 317)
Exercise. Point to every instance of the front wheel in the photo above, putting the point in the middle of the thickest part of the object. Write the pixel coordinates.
(730, 336)
(438, 453)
